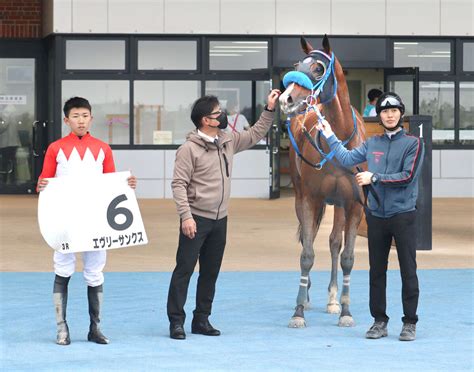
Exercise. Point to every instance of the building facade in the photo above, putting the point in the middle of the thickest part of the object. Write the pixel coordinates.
(143, 63)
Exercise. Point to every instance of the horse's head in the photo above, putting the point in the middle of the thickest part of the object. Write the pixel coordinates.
(313, 80)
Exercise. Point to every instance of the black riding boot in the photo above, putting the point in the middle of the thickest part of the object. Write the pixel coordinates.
(95, 295)
(60, 305)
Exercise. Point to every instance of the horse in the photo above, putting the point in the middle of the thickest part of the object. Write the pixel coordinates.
(317, 89)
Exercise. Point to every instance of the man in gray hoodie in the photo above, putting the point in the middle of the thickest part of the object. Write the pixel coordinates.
(201, 190)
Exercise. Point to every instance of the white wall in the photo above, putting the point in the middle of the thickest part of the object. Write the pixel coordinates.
(154, 170)
(336, 17)
(453, 173)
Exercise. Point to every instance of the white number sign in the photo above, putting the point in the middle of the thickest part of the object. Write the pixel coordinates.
(89, 214)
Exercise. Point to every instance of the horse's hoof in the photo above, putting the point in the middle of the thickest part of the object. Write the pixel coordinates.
(334, 308)
(297, 322)
(346, 321)
(307, 305)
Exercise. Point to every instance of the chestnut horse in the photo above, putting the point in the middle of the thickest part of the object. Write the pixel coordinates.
(317, 89)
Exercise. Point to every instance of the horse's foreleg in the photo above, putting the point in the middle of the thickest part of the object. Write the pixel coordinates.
(309, 214)
(353, 217)
(335, 243)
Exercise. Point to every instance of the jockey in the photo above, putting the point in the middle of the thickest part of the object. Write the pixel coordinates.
(78, 154)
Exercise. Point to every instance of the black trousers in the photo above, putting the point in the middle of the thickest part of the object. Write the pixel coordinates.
(380, 232)
(207, 246)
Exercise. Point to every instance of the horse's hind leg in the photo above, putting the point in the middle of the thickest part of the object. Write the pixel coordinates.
(353, 217)
(335, 243)
(310, 213)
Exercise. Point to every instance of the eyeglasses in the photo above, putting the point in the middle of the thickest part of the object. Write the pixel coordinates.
(214, 113)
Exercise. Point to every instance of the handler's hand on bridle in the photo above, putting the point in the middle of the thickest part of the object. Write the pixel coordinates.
(189, 228)
(363, 178)
(325, 128)
(272, 98)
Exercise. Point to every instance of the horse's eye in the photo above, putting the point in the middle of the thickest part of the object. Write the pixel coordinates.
(320, 68)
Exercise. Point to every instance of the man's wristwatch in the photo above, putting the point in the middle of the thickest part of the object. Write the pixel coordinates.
(267, 109)
(374, 179)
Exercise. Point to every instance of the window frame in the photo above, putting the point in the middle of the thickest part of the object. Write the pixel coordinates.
(452, 50)
(203, 73)
(456, 75)
(256, 72)
(460, 66)
(131, 73)
(154, 146)
(134, 56)
(95, 71)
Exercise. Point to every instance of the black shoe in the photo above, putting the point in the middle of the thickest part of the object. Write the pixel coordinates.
(95, 335)
(204, 328)
(177, 332)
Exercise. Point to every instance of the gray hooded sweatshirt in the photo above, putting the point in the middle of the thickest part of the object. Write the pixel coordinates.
(203, 170)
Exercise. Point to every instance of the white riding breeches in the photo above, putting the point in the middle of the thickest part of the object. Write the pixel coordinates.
(94, 262)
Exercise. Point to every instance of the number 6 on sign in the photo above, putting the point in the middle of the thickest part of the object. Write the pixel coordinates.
(88, 214)
(113, 211)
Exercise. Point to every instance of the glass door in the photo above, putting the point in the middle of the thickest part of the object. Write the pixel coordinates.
(21, 133)
(404, 82)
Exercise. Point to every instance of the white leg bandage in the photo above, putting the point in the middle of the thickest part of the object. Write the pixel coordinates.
(346, 280)
(304, 281)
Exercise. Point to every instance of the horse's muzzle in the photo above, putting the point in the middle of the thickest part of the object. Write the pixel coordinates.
(287, 105)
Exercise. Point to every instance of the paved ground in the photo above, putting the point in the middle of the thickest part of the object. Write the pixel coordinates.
(261, 237)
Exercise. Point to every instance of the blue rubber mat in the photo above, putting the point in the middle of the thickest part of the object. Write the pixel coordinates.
(251, 309)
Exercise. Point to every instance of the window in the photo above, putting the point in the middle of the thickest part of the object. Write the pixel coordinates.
(17, 113)
(466, 112)
(162, 110)
(95, 54)
(405, 90)
(235, 98)
(110, 107)
(167, 55)
(437, 100)
(428, 56)
(262, 90)
(238, 55)
(468, 57)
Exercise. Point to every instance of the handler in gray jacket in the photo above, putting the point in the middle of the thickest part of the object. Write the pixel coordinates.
(394, 160)
(201, 190)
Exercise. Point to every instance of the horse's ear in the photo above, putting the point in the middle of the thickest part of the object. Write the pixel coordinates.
(305, 45)
(326, 46)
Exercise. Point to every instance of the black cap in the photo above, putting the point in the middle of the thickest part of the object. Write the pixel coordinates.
(374, 94)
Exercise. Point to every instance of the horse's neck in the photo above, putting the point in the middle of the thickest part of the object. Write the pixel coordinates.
(338, 113)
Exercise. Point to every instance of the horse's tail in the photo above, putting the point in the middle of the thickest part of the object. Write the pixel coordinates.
(317, 222)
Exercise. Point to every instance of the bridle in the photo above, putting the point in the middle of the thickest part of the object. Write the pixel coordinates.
(306, 80)
(316, 87)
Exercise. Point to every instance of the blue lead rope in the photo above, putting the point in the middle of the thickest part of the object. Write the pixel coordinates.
(331, 154)
(325, 156)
